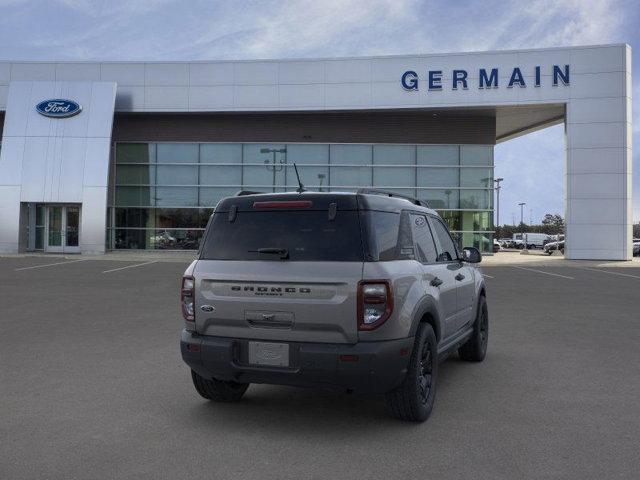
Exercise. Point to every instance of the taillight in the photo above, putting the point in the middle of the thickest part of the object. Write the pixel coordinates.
(375, 303)
(187, 298)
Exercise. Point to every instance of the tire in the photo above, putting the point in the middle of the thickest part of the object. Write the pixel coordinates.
(413, 400)
(475, 349)
(217, 390)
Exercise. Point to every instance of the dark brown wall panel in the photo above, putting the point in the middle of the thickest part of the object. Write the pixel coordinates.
(316, 127)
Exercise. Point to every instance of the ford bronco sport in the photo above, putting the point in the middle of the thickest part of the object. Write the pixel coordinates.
(364, 291)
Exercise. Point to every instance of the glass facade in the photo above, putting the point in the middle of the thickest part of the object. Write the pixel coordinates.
(164, 193)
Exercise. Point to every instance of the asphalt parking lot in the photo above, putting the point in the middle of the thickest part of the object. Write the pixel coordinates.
(93, 386)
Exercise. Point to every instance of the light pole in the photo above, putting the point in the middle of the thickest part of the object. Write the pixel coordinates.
(273, 165)
(497, 181)
(448, 194)
(524, 240)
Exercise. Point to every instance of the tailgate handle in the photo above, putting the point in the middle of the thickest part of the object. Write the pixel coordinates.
(270, 319)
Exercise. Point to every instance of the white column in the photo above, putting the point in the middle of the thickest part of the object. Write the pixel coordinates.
(598, 173)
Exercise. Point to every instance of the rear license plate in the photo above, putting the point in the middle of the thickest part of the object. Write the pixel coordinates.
(272, 354)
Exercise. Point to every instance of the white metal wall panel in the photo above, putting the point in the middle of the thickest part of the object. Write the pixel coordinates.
(57, 160)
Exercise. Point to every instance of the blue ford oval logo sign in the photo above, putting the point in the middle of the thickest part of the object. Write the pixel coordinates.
(58, 108)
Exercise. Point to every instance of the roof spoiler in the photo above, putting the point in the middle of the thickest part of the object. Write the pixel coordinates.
(372, 191)
(242, 193)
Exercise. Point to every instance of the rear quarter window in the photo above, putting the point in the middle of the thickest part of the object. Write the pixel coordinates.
(388, 236)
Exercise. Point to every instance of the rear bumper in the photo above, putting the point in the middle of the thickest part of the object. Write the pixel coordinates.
(379, 368)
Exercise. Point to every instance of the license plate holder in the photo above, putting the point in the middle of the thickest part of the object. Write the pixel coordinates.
(269, 354)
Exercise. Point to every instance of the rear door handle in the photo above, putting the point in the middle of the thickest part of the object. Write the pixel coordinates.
(436, 282)
(459, 277)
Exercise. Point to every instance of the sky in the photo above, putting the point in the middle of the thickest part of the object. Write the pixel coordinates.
(532, 165)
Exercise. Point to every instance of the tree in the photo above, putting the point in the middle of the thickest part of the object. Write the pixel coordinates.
(553, 220)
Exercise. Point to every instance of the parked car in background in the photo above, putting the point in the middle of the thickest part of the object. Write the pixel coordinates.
(553, 246)
(636, 247)
(506, 242)
(533, 240)
(496, 246)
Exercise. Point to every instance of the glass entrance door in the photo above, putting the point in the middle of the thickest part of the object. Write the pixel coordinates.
(54, 230)
(62, 229)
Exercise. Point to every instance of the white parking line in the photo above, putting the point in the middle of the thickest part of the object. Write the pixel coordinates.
(611, 273)
(130, 266)
(49, 265)
(545, 273)
(487, 276)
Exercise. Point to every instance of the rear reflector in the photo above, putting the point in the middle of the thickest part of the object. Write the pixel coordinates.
(284, 204)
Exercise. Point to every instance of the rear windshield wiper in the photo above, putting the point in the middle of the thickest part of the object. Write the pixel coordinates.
(283, 252)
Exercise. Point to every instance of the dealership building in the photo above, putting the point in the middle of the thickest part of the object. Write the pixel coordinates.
(99, 156)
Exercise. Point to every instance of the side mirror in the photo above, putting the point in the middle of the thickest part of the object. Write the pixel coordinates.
(471, 255)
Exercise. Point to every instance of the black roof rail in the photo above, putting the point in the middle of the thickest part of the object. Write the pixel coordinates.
(373, 191)
(242, 193)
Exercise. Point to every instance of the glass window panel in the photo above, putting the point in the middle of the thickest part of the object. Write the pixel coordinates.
(175, 239)
(470, 221)
(453, 219)
(135, 196)
(438, 155)
(311, 177)
(135, 153)
(177, 218)
(134, 217)
(394, 154)
(351, 155)
(131, 239)
(394, 177)
(265, 175)
(476, 155)
(476, 199)
(40, 217)
(350, 176)
(135, 174)
(253, 153)
(177, 152)
(177, 175)
(438, 177)
(301, 154)
(440, 199)
(221, 153)
(476, 177)
(214, 175)
(210, 196)
(39, 238)
(482, 241)
(176, 196)
(262, 178)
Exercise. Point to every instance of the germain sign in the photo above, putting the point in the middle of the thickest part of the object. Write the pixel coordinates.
(487, 78)
(58, 108)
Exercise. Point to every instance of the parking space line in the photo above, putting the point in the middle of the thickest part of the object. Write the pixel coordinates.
(487, 276)
(130, 266)
(544, 273)
(49, 265)
(610, 273)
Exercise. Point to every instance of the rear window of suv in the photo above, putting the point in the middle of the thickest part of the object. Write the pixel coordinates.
(306, 235)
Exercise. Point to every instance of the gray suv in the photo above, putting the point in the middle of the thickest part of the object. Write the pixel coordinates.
(363, 292)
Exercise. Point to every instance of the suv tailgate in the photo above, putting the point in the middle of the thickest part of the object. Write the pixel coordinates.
(278, 300)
